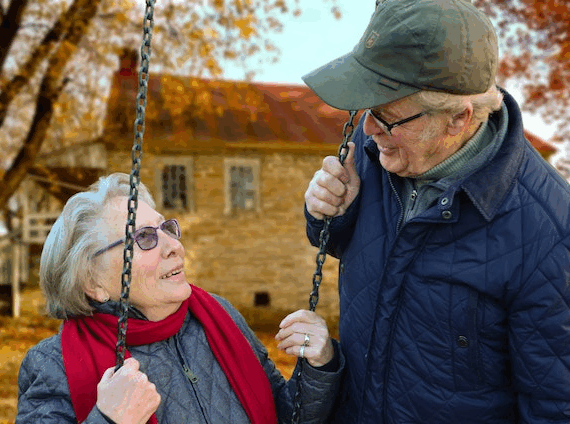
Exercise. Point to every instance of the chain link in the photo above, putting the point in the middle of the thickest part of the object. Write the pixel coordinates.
(134, 180)
(136, 154)
(324, 235)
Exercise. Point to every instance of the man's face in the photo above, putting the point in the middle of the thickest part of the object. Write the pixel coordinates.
(414, 147)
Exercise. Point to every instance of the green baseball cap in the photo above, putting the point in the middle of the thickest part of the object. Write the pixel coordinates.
(408, 46)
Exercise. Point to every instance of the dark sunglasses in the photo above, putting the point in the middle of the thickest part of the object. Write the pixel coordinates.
(385, 126)
(147, 237)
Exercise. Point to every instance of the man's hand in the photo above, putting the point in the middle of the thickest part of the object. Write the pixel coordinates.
(333, 187)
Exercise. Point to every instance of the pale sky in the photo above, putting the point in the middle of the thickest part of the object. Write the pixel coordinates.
(316, 37)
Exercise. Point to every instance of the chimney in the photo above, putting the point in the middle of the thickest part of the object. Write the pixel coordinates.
(129, 62)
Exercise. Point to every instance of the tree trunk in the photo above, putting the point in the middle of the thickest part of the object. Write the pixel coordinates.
(50, 90)
(27, 155)
(62, 28)
(9, 27)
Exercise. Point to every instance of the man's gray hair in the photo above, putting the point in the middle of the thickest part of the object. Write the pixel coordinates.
(438, 102)
(66, 265)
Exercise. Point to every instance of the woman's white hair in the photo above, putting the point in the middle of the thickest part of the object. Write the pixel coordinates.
(66, 265)
(483, 104)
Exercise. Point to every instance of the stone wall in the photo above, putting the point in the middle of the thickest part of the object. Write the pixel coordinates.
(250, 252)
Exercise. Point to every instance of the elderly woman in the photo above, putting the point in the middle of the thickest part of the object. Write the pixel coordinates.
(191, 358)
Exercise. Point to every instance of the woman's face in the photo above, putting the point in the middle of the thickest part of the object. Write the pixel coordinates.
(158, 284)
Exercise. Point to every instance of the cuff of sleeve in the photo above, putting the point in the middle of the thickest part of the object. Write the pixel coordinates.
(334, 364)
(324, 374)
(313, 222)
(338, 223)
(96, 416)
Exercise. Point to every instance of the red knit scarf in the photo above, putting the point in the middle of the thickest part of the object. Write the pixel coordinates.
(88, 348)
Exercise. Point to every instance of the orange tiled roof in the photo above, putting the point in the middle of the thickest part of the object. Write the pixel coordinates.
(539, 144)
(188, 114)
(231, 112)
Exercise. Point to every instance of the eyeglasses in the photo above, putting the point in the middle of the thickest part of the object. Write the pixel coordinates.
(147, 237)
(385, 126)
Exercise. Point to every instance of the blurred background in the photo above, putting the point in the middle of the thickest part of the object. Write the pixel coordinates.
(232, 135)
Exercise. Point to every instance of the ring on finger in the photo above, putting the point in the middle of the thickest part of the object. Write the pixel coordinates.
(307, 340)
(302, 352)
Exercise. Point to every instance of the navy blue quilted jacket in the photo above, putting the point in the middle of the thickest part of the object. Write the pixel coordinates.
(462, 314)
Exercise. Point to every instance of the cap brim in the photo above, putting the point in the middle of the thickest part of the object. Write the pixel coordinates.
(345, 84)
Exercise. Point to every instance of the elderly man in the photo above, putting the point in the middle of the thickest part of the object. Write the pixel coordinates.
(453, 234)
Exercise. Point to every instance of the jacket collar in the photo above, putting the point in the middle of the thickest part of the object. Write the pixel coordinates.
(114, 308)
(489, 185)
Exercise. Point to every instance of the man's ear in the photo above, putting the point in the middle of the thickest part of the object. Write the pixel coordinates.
(460, 121)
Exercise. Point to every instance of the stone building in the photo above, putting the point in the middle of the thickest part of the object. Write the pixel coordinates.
(231, 161)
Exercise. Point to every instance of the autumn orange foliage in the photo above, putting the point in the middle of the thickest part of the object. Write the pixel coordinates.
(536, 48)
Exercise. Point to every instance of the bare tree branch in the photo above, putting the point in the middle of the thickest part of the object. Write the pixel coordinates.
(9, 27)
(12, 88)
(50, 89)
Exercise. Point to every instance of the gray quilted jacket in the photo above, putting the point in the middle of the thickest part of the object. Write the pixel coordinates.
(200, 395)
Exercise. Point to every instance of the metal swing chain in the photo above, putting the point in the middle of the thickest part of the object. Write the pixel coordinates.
(321, 257)
(136, 154)
(134, 180)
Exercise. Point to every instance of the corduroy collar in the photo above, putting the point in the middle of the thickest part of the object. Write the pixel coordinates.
(488, 186)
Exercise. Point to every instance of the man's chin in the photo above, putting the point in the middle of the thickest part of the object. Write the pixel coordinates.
(393, 165)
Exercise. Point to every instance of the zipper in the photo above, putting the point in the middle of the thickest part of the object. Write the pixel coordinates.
(393, 324)
(193, 378)
(413, 196)
(361, 410)
(399, 202)
(389, 355)
(187, 371)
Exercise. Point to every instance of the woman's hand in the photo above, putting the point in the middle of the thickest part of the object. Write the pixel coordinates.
(126, 396)
(333, 187)
(309, 329)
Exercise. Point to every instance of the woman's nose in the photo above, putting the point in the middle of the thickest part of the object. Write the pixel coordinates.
(169, 244)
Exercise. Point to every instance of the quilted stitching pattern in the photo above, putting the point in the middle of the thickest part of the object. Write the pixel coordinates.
(459, 321)
(44, 394)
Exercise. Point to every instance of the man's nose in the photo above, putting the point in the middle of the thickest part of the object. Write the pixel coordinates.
(370, 126)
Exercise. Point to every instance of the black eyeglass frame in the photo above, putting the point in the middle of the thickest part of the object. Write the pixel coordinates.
(386, 127)
(137, 232)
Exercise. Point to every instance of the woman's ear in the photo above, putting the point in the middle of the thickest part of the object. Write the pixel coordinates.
(460, 121)
(96, 292)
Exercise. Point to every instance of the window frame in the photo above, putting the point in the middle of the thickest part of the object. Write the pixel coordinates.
(254, 164)
(188, 163)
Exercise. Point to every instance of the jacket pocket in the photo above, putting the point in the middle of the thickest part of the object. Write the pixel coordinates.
(493, 346)
(464, 338)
